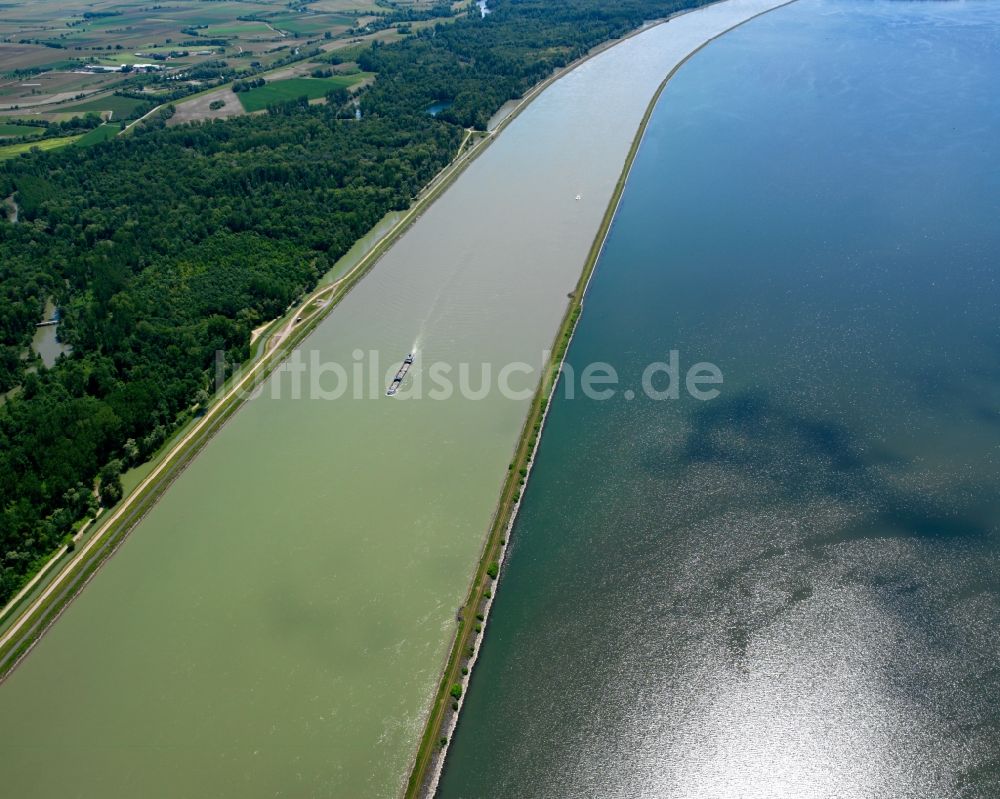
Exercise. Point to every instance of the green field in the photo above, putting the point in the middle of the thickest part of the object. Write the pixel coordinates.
(117, 58)
(252, 36)
(291, 89)
(122, 106)
(13, 150)
(350, 53)
(7, 130)
(238, 29)
(311, 24)
(351, 6)
(99, 134)
(19, 56)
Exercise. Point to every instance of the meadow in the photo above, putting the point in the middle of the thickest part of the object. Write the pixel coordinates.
(251, 31)
(293, 88)
(311, 24)
(14, 150)
(96, 135)
(101, 133)
(121, 106)
(10, 131)
(363, 6)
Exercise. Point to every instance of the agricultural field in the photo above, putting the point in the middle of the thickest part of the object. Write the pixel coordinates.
(78, 27)
(352, 6)
(101, 133)
(9, 131)
(250, 31)
(291, 89)
(305, 25)
(49, 87)
(65, 58)
(29, 56)
(94, 136)
(120, 107)
(174, 57)
(219, 104)
(14, 150)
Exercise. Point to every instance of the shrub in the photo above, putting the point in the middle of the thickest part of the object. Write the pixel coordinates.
(110, 478)
(493, 570)
(456, 691)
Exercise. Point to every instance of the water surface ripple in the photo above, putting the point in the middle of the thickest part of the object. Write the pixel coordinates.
(790, 590)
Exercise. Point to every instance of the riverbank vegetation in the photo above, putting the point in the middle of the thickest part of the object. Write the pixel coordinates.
(170, 244)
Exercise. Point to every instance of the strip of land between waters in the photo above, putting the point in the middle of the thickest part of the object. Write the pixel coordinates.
(441, 724)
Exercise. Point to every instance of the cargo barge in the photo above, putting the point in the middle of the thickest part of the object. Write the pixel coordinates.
(394, 385)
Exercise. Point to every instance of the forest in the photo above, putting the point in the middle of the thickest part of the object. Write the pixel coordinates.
(165, 246)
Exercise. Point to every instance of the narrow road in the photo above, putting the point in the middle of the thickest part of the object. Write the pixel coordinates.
(132, 124)
(30, 585)
(297, 318)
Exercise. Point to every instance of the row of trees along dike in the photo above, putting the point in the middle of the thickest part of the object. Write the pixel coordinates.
(162, 247)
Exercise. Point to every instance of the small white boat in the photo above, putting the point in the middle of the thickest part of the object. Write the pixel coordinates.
(579, 197)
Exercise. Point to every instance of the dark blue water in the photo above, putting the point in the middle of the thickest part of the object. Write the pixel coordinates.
(790, 590)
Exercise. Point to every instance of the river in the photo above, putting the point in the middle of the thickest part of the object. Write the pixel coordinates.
(790, 590)
(277, 624)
